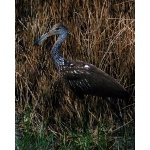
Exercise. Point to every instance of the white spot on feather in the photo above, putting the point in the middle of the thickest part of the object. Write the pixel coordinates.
(75, 71)
(70, 83)
(87, 82)
(83, 83)
(79, 85)
(87, 66)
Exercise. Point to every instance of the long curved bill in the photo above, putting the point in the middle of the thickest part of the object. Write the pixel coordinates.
(43, 37)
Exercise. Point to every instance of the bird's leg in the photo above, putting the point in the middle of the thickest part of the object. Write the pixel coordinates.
(85, 114)
(119, 115)
(116, 110)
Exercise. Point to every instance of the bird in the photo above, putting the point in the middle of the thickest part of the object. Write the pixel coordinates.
(82, 78)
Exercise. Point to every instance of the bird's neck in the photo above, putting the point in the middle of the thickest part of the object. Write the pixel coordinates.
(58, 60)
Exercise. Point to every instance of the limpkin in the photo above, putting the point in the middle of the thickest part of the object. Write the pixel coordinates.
(83, 78)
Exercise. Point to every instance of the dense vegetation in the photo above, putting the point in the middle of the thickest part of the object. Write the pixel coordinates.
(48, 116)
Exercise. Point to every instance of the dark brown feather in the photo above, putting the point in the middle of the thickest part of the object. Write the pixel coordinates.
(84, 78)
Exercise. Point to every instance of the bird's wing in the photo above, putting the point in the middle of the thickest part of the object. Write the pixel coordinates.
(87, 79)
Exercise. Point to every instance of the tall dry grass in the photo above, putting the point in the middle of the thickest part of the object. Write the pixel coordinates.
(100, 32)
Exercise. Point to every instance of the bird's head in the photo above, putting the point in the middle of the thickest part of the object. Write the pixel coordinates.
(57, 29)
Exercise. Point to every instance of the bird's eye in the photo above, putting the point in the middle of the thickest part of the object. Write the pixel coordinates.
(56, 28)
